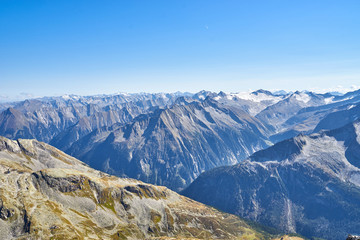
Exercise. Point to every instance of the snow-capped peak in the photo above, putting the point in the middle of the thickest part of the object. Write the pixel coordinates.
(302, 96)
(257, 96)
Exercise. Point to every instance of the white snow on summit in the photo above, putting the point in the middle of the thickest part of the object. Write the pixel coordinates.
(329, 100)
(257, 97)
(302, 96)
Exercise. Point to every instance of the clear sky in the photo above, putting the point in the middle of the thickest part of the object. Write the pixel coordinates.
(90, 47)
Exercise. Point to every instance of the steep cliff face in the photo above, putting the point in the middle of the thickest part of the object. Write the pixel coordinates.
(173, 146)
(46, 194)
(308, 184)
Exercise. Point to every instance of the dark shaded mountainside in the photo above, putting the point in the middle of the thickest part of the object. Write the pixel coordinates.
(169, 139)
(46, 194)
(307, 184)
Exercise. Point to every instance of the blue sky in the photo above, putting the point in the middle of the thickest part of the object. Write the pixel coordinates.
(90, 47)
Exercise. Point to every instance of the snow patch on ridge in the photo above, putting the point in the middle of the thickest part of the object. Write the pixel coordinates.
(350, 107)
(357, 131)
(303, 97)
(329, 100)
(259, 97)
(355, 178)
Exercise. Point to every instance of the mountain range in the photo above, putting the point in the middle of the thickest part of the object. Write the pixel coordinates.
(282, 159)
(170, 139)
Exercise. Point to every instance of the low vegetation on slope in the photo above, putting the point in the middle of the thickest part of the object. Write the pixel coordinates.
(47, 194)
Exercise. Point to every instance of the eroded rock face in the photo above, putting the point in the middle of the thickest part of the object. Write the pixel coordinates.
(45, 194)
(5, 213)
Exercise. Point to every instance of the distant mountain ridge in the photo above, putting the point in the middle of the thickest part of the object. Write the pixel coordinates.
(229, 127)
(45, 118)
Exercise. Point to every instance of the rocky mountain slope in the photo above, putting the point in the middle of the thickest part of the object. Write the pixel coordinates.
(173, 146)
(307, 184)
(46, 194)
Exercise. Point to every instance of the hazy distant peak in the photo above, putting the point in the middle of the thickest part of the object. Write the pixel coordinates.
(281, 92)
(262, 91)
